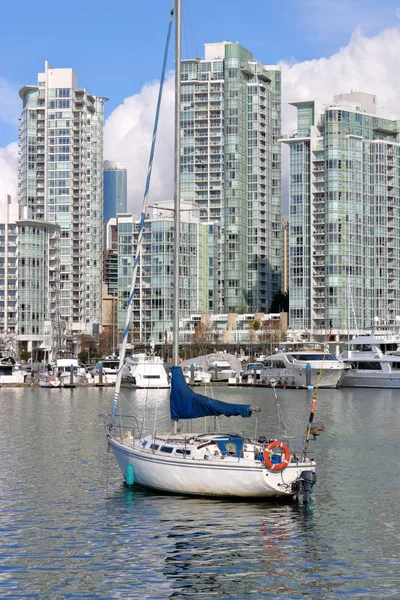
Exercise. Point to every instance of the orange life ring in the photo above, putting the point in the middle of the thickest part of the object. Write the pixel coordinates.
(51, 378)
(285, 459)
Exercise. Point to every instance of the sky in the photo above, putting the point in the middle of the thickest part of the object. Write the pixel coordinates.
(324, 47)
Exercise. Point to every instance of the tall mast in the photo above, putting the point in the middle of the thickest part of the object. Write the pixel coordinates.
(177, 179)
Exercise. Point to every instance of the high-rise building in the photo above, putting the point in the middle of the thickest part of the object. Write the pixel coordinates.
(285, 255)
(29, 280)
(110, 256)
(231, 167)
(152, 316)
(115, 190)
(61, 180)
(344, 215)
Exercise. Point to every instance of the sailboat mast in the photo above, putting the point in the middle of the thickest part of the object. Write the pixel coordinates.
(177, 179)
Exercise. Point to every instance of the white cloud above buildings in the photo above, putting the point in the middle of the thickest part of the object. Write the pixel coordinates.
(367, 64)
(127, 139)
(8, 170)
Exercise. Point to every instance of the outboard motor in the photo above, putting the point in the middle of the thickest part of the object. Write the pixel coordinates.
(308, 480)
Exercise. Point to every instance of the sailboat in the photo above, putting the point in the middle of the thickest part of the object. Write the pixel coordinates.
(208, 464)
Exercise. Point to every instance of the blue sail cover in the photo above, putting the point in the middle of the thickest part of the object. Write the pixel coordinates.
(186, 404)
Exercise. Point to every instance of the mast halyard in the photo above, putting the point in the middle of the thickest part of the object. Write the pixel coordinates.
(177, 180)
(140, 236)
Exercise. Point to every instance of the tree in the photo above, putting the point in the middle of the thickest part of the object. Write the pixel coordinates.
(25, 355)
(201, 338)
(280, 302)
(83, 357)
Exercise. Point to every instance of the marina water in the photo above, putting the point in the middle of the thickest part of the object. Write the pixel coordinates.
(71, 529)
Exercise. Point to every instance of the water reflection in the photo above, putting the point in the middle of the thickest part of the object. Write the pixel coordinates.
(70, 529)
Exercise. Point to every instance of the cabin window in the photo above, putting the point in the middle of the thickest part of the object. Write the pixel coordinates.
(154, 446)
(278, 364)
(151, 377)
(369, 366)
(167, 449)
(182, 451)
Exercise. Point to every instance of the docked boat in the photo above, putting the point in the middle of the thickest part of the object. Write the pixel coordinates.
(206, 464)
(373, 361)
(195, 373)
(252, 372)
(10, 372)
(221, 370)
(302, 369)
(144, 371)
(49, 381)
(67, 366)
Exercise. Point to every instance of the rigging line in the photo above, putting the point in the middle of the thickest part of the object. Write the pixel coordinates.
(141, 227)
(184, 34)
(191, 28)
(280, 416)
(314, 400)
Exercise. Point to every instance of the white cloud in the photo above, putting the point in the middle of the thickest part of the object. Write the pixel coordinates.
(127, 139)
(8, 171)
(367, 64)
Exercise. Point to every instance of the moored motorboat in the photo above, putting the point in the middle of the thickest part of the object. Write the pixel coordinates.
(143, 371)
(373, 361)
(302, 369)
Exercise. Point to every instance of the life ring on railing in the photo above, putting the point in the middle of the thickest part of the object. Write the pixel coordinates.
(285, 459)
(51, 378)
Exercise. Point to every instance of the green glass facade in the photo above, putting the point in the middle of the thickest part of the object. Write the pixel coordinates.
(231, 167)
(152, 318)
(61, 181)
(344, 216)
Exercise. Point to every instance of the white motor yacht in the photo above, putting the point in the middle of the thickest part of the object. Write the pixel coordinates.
(373, 361)
(144, 371)
(302, 369)
(221, 370)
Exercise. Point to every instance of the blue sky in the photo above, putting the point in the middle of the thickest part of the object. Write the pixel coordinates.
(116, 47)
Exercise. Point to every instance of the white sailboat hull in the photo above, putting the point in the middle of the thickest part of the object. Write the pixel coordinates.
(229, 476)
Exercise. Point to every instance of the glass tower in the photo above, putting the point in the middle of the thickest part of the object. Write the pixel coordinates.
(115, 190)
(231, 167)
(152, 318)
(61, 180)
(344, 216)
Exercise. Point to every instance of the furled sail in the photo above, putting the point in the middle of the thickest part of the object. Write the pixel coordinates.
(186, 404)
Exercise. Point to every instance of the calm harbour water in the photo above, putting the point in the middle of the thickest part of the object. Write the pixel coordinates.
(69, 528)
